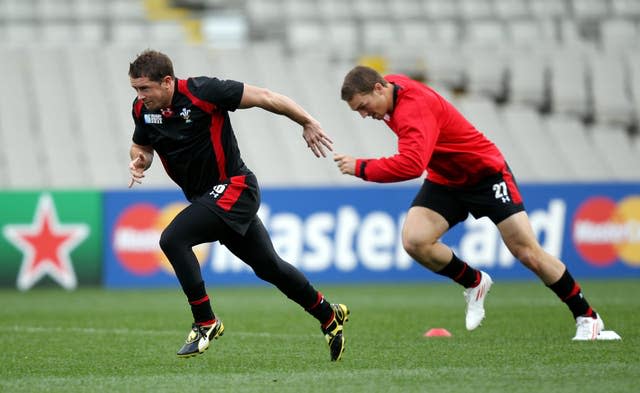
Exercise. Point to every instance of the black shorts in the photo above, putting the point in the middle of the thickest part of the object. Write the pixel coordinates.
(496, 196)
(235, 201)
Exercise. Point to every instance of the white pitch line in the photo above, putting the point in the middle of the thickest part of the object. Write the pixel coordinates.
(126, 331)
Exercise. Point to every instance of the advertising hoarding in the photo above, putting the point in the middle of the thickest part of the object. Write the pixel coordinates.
(50, 238)
(340, 235)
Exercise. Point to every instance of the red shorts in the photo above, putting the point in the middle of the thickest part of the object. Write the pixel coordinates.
(496, 196)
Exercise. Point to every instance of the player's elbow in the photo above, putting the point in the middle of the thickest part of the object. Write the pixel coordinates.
(413, 168)
(267, 99)
(266, 95)
(260, 97)
(415, 171)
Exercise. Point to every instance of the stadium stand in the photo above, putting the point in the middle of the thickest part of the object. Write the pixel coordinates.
(569, 83)
(555, 83)
(617, 150)
(483, 112)
(528, 78)
(575, 143)
(23, 157)
(511, 9)
(533, 141)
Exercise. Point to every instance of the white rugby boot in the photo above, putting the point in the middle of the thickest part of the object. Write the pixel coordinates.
(475, 301)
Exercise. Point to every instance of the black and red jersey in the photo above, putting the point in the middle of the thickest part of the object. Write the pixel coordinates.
(432, 136)
(193, 137)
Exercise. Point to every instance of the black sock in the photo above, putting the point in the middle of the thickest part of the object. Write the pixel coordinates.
(321, 309)
(570, 293)
(200, 305)
(460, 272)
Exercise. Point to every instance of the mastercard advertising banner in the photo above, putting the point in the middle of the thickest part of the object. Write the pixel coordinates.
(341, 235)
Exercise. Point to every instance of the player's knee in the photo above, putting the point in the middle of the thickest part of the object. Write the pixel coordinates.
(268, 269)
(529, 257)
(416, 246)
(410, 245)
(264, 272)
(167, 240)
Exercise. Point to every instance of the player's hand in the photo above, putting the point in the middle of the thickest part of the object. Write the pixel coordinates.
(136, 168)
(316, 139)
(346, 164)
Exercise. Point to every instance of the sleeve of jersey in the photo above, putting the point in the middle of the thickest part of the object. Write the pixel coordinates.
(417, 135)
(140, 137)
(225, 94)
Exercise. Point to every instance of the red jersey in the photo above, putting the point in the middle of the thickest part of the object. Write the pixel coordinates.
(432, 136)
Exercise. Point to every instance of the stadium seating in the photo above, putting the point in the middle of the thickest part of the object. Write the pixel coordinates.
(483, 113)
(526, 129)
(611, 99)
(484, 69)
(23, 158)
(626, 8)
(555, 83)
(618, 34)
(528, 78)
(569, 83)
(511, 9)
(575, 143)
(544, 9)
(406, 10)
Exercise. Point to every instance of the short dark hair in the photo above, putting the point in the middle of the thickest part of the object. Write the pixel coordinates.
(151, 64)
(360, 80)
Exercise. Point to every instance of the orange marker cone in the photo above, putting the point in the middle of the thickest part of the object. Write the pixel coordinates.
(437, 332)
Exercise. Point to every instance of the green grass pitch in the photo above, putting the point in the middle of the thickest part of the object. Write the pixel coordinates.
(94, 340)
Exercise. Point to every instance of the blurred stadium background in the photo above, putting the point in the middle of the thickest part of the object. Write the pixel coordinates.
(556, 83)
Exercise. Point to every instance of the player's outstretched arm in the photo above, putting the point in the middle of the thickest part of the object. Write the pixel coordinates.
(312, 132)
(141, 159)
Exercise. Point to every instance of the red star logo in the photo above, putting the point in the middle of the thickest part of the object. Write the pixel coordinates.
(46, 245)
